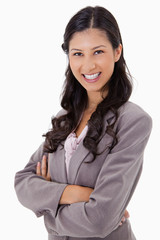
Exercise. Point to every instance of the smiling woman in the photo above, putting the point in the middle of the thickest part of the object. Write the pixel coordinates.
(83, 176)
(92, 59)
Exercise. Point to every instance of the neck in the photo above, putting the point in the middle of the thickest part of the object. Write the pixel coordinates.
(94, 98)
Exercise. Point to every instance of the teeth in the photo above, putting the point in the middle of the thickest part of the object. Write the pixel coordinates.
(92, 76)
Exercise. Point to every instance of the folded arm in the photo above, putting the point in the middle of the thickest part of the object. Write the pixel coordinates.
(114, 187)
(72, 193)
(102, 213)
(34, 192)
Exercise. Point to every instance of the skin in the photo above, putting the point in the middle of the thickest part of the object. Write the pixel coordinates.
(90, 52)
(72, 193)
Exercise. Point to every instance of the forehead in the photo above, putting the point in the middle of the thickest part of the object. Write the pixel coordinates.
(88, 38)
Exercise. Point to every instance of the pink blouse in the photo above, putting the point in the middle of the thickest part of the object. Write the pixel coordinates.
(71, 144)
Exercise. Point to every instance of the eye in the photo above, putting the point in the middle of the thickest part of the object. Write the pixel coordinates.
(98, 52)
(77, 54)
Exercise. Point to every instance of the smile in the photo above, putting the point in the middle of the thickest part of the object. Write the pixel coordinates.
(91, 77)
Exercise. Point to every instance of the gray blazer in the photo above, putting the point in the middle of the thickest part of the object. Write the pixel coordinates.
(113, 175)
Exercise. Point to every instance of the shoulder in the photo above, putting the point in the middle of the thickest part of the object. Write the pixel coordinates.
(130, 113)
(133, 111)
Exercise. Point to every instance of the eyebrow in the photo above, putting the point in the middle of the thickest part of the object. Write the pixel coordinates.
(76, 49)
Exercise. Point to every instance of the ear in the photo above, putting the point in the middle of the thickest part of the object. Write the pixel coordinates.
(118, 52)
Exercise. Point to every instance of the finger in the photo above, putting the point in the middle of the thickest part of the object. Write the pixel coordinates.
(38, 169)
(44, 167)
(121, 223)
(48, 172)
(126, 214)
(123, 220)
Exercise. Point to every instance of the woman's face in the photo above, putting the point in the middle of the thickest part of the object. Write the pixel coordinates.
(92, 58)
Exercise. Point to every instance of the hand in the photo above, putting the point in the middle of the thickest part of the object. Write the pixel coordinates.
(42, 170)
(75, 193)
(125, 216)
(72, 193)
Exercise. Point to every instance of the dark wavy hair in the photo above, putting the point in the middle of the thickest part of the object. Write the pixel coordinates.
(74, 96)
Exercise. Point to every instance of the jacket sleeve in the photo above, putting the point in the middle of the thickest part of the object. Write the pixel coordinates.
(34, 192)
(114, 186)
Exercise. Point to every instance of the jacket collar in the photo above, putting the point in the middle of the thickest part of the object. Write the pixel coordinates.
(82, 154)
(78, 156)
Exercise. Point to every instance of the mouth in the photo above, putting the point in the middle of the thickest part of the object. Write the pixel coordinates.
(91, 77)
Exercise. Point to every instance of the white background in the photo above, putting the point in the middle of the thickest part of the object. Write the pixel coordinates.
(32, 67)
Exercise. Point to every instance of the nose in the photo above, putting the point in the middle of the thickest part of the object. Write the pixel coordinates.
(88, 65)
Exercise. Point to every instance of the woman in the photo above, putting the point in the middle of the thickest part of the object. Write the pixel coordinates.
(82, 177)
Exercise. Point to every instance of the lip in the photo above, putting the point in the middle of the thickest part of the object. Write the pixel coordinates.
(91, 80)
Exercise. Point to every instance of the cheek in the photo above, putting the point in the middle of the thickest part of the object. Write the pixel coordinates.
(72, 64)
(75, 67)
(108, 64)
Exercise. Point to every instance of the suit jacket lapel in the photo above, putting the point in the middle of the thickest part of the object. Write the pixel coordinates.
(57, 159)
(77, 158)
(57, 165)
(82, 153)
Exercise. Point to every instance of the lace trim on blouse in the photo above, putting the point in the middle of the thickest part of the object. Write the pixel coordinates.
(71, 144)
